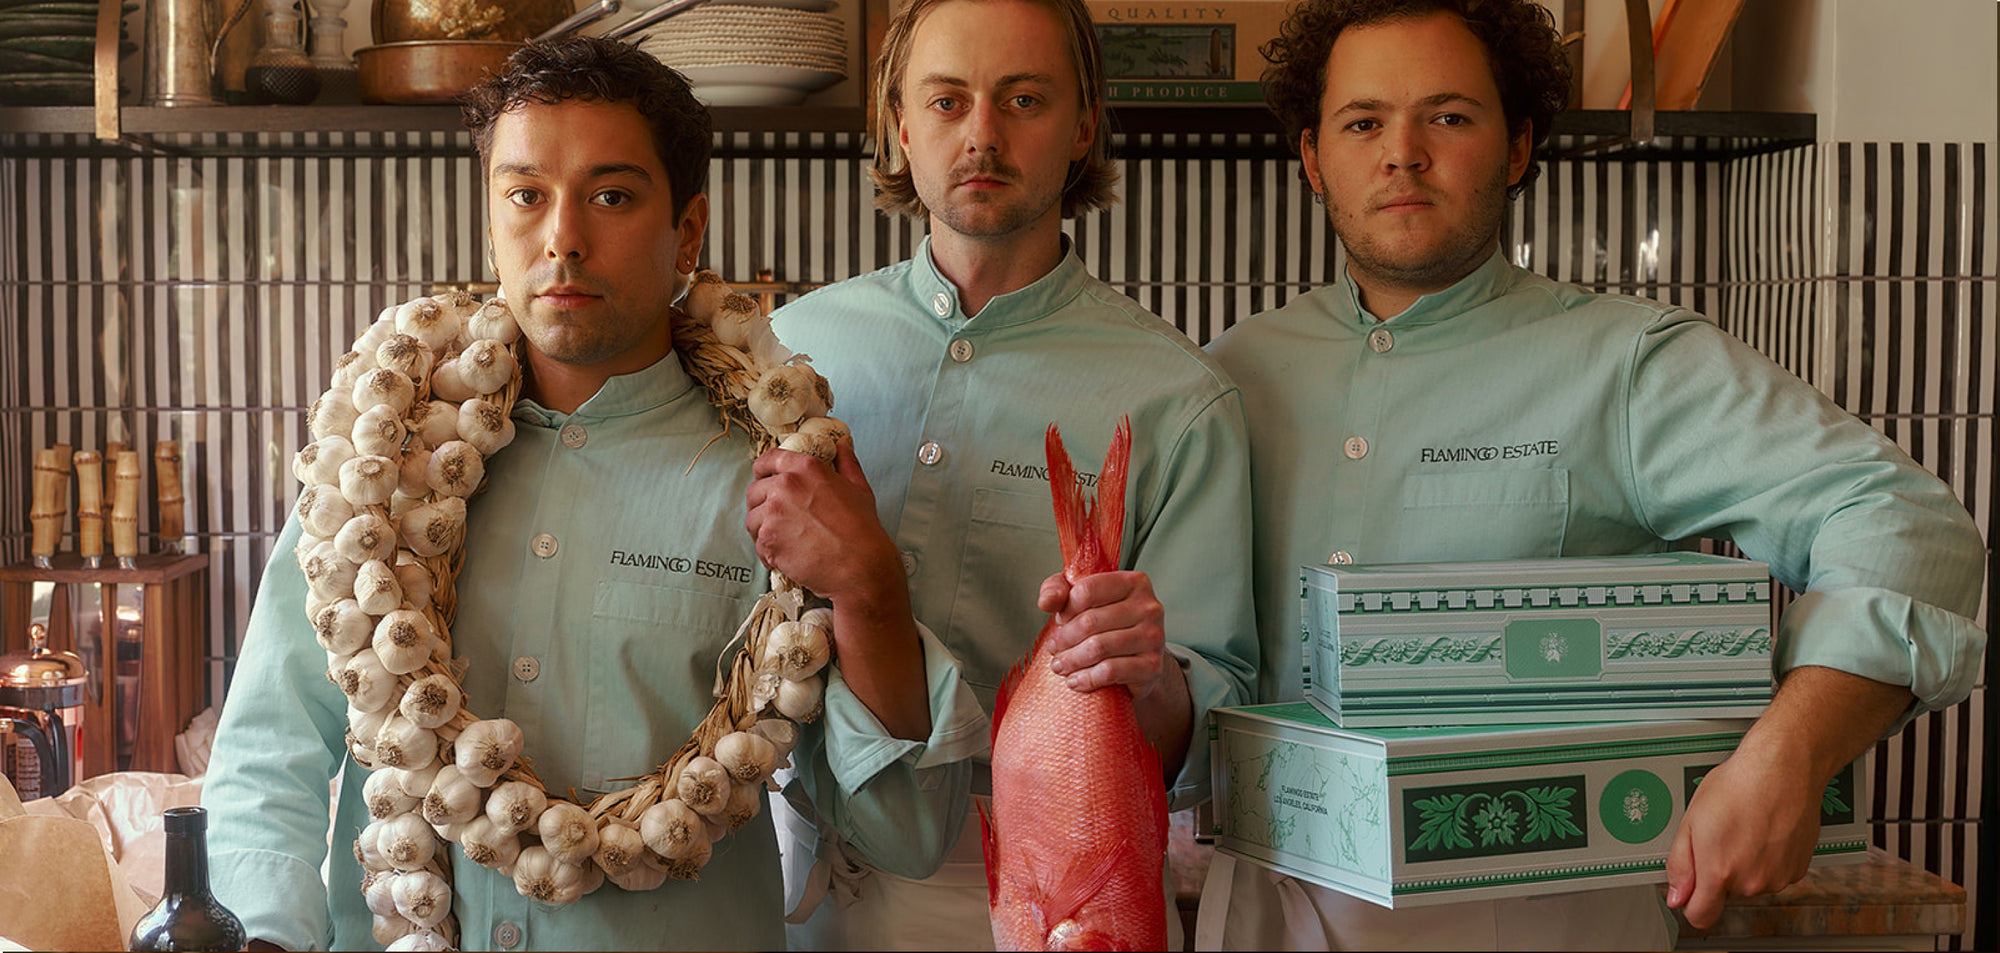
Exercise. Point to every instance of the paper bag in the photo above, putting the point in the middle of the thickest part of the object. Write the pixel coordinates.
(59, 890)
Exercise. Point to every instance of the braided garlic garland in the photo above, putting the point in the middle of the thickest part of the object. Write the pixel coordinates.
(399, 443)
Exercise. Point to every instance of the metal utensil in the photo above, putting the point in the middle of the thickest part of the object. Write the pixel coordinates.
(582, 18)
(650, 17)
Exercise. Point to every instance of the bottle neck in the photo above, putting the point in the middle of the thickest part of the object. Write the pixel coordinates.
(187, 864)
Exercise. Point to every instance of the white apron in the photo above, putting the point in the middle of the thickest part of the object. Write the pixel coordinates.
(1245, 906)
(838, 902)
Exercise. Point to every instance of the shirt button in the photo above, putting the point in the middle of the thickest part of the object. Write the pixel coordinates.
(573, 436)
(909, 563)
(1381, 340)
(1355, 447)
(961, 350)
(1340, 558)
(930, 453)
(941, 304)
(545, 545)
(527, 668)
(506, 936)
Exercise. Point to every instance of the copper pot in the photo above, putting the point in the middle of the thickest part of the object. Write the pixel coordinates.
(398, 20)
(428, 71)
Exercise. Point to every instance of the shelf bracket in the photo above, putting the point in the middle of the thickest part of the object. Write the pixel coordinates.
(1644, 89)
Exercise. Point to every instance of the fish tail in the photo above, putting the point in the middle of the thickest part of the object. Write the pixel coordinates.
(1090, 533)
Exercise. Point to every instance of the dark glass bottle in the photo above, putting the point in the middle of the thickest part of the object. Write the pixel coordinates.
(187, 916)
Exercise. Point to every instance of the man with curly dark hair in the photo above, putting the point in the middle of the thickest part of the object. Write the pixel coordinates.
(1640, 427)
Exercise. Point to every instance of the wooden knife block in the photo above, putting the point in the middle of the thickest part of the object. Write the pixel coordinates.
(172, 627)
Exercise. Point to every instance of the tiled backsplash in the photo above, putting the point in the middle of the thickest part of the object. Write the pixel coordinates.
(200, 292)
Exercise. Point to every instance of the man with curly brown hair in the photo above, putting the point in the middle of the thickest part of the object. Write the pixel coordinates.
(1415, 121)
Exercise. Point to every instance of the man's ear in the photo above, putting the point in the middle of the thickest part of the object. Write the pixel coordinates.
(1309, 154)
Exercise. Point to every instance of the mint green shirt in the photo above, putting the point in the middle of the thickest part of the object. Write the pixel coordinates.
(949, 413)
(1513, 416)
(602, 582)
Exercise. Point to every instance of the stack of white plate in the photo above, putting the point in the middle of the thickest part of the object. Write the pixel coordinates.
(754, 52)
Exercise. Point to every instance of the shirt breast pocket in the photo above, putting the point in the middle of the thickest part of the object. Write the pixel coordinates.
(1488, 514)
(1010, 546)
(653, 653)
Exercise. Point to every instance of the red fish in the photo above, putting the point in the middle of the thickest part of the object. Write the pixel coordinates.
(1077, 836)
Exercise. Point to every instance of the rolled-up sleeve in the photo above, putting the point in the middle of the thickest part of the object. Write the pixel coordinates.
(901, 803)
(1887, 561)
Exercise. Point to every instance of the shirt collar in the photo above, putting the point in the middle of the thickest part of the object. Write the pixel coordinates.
(622, 396)
(1487, 282)
(938, 297)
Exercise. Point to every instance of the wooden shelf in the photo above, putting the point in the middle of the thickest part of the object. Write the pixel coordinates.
(169, 120)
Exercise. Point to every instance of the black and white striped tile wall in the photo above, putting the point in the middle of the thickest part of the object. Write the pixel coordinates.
(199, 292)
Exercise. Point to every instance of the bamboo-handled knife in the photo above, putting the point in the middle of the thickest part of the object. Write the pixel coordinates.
(171, 504)
(90, 506)
(45, 514)
(125, 509)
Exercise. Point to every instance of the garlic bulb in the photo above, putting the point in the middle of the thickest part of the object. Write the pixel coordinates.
(319, 462)
(515, 805)
(705, 295)
(489, 845)
(429, 322)
(323, 510)
(688, 866)
(368, 479)
(392, 929)
(405, 355)
(817, 444)
(384, 387)
(781, 733)
(487, 366)
(383, 793)
(416, 782)
(364, 726)
(785, 395)
(639, 877)
(704, 785)
(332, 413)
(379, 431)
(745, 800)
(423, 897)
(382, 329)
(431, 701)
(375, 886)
(348, 367)
(416, 582)
(493, 322)
(800, 701)
(365, 537)
(433, 527)
(329, 575)
(457, 303)
(401, 744)
(746, 756)
(568, 831)
(671, 828)
(436, 421)
(407, 842)
(485, 425)
(342, 627)
(412, 477)
(831, 427)
(448, 382)
(404, 639)
(376, 589)
(420, 941)
(487, 748)
(593, 877)
(452, 799)
(619, 848)
(735, 318)
(368, 847)
(797, 650)
(538, 875)
(455, 469)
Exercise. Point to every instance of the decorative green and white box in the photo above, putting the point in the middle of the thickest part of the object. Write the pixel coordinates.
(1662, 636)
(1416, 816)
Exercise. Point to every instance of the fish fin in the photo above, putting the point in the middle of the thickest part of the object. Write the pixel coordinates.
(1081, 878)
(989, 849)
(1072, 511)
(1108, 517)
